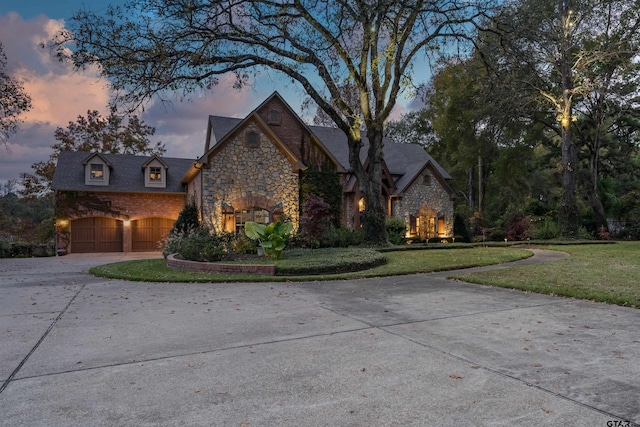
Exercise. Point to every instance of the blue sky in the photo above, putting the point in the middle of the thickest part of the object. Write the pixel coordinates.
(60, 95)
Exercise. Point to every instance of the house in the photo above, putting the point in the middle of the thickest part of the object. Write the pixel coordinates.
(116, 203)
(253, 169)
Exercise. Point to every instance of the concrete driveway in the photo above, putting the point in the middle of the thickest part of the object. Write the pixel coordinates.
(76, 350)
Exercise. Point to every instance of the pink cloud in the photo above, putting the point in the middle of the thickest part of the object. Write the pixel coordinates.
(60, 95)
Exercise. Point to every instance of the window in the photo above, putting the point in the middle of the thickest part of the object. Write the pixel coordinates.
(426, 179)
(253, 139)
(413, 225)
(155, 174)
(274, 117)
(261, 216)
(96, 171)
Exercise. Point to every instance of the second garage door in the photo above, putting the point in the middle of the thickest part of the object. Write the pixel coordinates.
(147, 233)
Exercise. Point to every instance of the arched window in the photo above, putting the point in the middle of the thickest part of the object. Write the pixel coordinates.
(253, 139)
(259, 215)
(274, 117)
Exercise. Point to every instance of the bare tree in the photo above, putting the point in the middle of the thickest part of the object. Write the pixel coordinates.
(158, 46)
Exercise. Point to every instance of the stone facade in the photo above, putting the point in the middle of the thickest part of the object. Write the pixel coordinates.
(243, 174)
(426, 192)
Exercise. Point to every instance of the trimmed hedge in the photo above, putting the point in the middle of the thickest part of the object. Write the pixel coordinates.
(302, 262)
(25, 250)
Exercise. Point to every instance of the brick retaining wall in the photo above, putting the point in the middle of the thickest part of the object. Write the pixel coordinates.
(214, 267)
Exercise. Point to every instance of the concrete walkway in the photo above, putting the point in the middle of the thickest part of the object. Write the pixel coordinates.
(420, 350)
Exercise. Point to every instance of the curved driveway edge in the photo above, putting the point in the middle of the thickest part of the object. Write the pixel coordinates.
(413, 350)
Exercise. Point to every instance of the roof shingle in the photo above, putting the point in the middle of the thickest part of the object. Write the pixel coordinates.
(126, 175)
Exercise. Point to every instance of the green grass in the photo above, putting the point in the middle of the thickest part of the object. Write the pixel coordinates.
(398, 263)
(605, 273)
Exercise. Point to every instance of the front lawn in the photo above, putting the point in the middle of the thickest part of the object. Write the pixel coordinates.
(294, 264)
(605, 273)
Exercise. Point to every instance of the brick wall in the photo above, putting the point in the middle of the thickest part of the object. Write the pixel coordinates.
(213, 267)
(131, 207)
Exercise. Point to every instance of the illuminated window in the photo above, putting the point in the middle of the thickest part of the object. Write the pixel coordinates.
(414, 223)
(155, 174)
(261, 216)
(97, 171)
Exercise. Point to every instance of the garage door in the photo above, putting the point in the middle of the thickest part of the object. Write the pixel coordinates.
(96, 234)
(147, 233)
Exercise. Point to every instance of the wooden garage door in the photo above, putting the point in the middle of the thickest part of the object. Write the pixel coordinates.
(148, 232)
(96, 234)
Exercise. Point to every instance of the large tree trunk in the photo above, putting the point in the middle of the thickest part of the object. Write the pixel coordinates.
(375, 213)
(568, 209)
(599, 215)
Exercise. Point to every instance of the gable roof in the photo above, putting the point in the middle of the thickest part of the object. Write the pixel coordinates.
(403, 160)
(219, 128)
(126, 173)
(155, 157)
(255, 118)
(91, 156)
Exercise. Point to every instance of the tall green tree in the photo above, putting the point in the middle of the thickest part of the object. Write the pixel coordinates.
(548, 49)
(157, 46)
(13, 100)
(114, 134)
(608, 108)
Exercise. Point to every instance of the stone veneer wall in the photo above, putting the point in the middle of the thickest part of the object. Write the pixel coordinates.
(242, 177)
(436, 197)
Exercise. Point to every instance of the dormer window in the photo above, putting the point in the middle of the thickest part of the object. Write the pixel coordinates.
(274, 117)
(155, 174)
(96, 172)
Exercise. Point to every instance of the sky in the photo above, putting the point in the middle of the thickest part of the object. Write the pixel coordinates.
(59, 94)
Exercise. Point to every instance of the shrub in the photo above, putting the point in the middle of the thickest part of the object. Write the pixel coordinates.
(396, 230)
(545, 229)
(329, 261)
(460, 229)
(342, 237)
(244, 245)
(188, 219)
(198, 245)
(4, 248)
(518, 227)
(315, 222)
(25, 249)
(584, 234)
